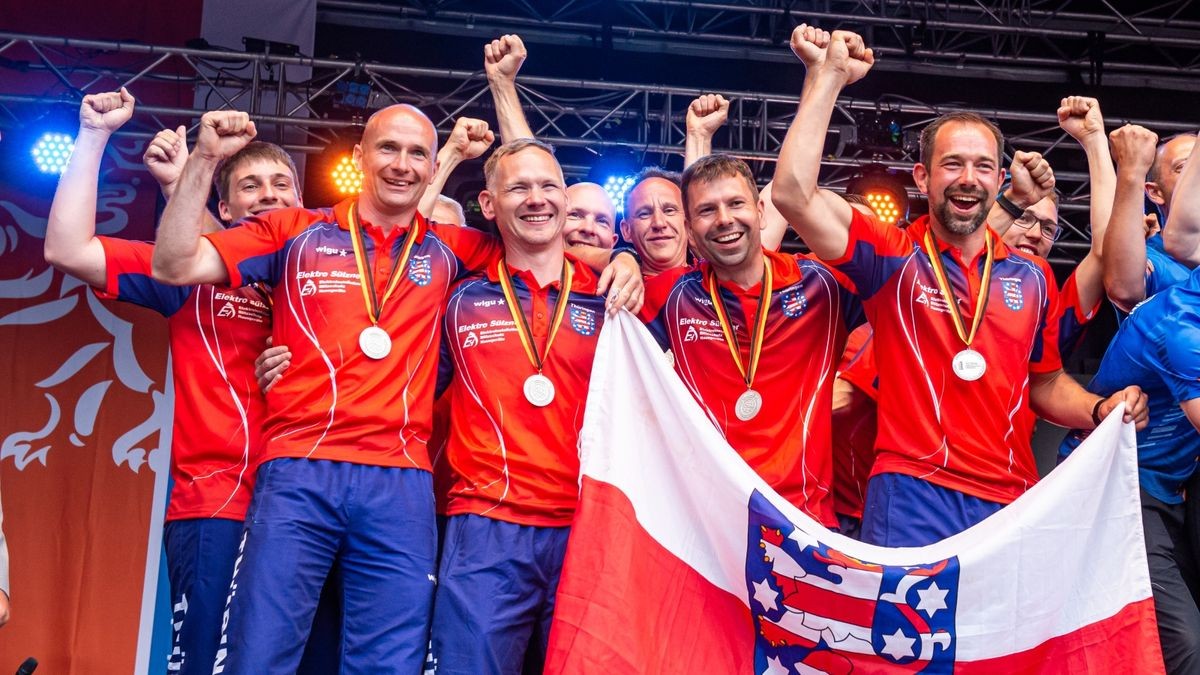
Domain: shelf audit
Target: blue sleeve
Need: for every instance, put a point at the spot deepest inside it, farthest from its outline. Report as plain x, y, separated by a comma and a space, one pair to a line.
873, 254
127, 277
1162, 271
1181, 361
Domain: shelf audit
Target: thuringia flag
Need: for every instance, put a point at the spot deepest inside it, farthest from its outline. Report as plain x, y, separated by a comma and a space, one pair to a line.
682, 560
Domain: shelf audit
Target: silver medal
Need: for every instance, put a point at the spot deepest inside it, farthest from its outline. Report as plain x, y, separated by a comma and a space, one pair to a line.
969, 365
375, 342
748, 405
539, 390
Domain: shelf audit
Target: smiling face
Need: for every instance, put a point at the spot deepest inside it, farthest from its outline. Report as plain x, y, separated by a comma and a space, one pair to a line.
256, 186
591, 216
396, 156
724, 223
962, 177
526, 199
654, 224
1028, 232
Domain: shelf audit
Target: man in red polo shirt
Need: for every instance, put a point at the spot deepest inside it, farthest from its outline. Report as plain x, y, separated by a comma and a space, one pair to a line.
735, 325
964, 323
214, 334
519, 342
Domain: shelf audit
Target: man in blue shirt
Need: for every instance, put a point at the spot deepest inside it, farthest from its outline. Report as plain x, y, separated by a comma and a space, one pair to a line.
1158, 348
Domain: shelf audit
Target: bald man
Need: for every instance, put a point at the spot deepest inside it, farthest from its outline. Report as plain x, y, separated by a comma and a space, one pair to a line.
591, 216
358, 291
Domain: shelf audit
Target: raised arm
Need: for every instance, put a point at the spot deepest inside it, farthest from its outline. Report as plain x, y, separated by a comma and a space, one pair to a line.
705, 115
469, 139
71, 243
1030, 181
1080, 116
502, 59
181, 255
820, 217
1182, 233
1124, 266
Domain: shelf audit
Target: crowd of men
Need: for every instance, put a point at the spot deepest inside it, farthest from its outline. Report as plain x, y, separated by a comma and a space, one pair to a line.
403, 464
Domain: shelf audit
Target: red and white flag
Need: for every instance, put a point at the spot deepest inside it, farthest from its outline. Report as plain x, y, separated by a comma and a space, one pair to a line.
682, 560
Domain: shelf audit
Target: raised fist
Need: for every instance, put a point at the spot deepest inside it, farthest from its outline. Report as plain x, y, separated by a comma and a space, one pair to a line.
165, 156
470, 138
706, 114
223, 133
1134, 147
106, 112
502, 57
848, 56
1080, 117
1032, 178
809, 44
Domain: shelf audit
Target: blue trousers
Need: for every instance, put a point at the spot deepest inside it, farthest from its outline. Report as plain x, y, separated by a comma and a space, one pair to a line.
200, 557
495, 596
902, 510
377, 523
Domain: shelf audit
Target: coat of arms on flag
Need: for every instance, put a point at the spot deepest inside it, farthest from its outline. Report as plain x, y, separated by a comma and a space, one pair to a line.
815, 607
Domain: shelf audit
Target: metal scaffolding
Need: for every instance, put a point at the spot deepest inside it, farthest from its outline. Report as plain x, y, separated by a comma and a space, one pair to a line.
38, 73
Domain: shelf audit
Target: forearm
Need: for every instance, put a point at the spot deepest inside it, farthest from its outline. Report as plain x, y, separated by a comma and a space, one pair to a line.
594, 257
71, 245
821, 220
1125, 243
509, 114
177, 249
696, 145
447, 163
1059, 399
1181, 234
1103, 178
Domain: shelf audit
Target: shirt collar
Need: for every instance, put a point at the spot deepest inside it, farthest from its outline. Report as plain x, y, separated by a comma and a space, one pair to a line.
341, 214
920, 226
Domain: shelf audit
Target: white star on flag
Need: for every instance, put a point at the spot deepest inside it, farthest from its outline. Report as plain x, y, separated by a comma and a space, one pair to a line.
898, 645
765, 596
932, 599
775, 667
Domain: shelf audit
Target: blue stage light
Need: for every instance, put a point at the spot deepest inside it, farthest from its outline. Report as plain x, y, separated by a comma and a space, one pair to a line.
52, 151
617, 187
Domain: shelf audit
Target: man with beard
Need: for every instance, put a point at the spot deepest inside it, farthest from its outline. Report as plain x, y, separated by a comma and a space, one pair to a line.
965, 323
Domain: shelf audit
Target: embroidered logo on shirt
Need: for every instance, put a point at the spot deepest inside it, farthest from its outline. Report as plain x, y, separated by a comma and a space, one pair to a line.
583, 320
420, 270
793, 302
1014, 299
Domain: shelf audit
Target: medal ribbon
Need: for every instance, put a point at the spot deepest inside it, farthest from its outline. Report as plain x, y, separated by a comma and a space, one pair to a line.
366, 276
518, 314
760, 322
939, 271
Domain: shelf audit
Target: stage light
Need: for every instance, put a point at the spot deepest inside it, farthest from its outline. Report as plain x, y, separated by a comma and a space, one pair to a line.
885, 191
617, 187
52, 151
346, 177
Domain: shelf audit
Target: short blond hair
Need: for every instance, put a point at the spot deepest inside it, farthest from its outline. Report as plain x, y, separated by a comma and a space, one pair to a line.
512, 148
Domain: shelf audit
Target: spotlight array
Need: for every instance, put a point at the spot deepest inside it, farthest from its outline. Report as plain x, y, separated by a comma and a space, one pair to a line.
52, 151
884, 205
347, 177
617, 187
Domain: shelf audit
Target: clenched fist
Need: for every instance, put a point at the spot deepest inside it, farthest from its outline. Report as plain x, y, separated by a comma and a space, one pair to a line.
107, 112
1032, 178
1133, 148
1080, 117
470, 138
165, 156
706, 114
502, 57
223, 133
